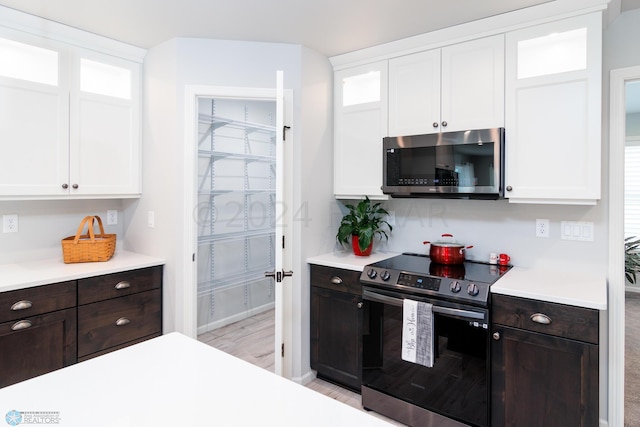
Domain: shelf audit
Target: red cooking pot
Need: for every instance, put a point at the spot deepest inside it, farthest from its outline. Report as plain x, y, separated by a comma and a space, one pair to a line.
447, 252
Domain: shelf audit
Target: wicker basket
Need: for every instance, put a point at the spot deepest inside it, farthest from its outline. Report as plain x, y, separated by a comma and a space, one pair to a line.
88, 247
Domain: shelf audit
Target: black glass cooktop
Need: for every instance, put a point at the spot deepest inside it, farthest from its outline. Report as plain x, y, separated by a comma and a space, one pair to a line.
422, 265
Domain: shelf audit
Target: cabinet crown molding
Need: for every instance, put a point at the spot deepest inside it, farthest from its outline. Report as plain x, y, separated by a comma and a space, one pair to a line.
534, 15
20, 21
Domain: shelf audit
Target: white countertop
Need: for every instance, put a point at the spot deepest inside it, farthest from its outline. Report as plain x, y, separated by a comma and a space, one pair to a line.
554, 285
46, 271
174, 381
348, 261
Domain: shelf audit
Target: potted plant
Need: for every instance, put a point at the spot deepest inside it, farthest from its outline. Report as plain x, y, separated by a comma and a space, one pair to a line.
361, 224
631, 258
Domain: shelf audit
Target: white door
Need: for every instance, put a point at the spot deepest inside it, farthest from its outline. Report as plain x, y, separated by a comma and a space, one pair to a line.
240, 206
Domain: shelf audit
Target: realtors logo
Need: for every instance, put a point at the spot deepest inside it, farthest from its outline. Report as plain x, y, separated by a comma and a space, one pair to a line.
14, 418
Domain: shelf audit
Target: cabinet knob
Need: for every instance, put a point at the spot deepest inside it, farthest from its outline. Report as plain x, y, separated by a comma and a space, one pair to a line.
360, 304
444, 124
75, 186
122, 285
509, 188
21, 305
435, 124
336, 280
540, 318
122, 321
65, 186
496, 336
23, 324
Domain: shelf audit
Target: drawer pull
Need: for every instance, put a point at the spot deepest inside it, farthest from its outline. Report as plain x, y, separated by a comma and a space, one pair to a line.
122, 285
122, 321
336, 280
21, 305
543, 319
23, 324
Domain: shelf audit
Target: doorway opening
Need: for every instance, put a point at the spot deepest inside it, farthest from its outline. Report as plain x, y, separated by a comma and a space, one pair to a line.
236, 212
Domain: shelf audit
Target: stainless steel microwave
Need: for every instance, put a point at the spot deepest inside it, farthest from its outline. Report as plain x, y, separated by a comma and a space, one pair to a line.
464, 164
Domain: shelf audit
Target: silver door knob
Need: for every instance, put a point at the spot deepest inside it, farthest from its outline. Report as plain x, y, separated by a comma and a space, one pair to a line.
75, 186
444, 124
496, 336
65, 186
435, 124
509, 188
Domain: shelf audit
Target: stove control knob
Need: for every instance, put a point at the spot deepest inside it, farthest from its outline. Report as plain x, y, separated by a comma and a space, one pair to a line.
455, 287
472, 289
372, 273
385, 276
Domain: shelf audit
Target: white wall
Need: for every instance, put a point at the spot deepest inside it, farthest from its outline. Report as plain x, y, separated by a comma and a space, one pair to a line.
42, 224
169, 68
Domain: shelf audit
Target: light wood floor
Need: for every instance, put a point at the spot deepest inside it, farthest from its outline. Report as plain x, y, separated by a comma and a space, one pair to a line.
252, 340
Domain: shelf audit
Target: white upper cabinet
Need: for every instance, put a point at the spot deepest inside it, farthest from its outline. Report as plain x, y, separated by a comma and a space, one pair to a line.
105, 126
360, 122
553, 114
457, 87
69, 120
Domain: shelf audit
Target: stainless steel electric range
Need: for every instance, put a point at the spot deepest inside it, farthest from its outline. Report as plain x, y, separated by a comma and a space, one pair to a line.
455, 390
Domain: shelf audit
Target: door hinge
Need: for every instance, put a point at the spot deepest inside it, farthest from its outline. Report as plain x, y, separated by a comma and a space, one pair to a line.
193, 257
284, 132
282, 350
282, 242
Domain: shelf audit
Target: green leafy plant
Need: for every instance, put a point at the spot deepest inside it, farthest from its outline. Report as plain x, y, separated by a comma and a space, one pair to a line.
364, 220
631, 258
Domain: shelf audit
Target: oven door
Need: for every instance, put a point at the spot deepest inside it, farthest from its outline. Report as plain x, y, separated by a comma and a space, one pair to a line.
457, 386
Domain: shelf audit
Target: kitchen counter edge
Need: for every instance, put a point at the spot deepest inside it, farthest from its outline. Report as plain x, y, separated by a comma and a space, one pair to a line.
29, 274
550, 285
349, 261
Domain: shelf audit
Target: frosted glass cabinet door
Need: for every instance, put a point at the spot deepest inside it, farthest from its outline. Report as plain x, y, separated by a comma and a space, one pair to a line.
360, 124
105, 133
553, 112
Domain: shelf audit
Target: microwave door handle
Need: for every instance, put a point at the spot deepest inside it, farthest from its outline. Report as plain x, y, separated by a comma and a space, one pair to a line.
376, 297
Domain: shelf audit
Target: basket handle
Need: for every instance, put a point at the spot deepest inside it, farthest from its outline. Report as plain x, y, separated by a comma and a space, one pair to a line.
89, 221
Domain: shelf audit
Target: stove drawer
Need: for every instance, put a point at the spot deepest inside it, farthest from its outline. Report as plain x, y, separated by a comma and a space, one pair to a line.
336, 279
546, 317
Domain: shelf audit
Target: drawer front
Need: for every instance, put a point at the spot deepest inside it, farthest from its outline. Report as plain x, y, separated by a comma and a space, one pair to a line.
36, 345
115, 285
110, 323
564, 320
27, 302
336, 279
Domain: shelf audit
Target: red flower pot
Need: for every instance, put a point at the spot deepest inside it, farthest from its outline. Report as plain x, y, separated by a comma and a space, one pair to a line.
356, 247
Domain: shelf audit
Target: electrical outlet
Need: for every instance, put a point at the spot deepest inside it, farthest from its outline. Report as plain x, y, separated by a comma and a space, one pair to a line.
542, 228
112, 217
9, 223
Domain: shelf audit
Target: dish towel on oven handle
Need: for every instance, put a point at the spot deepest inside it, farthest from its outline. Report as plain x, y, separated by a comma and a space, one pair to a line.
417, 332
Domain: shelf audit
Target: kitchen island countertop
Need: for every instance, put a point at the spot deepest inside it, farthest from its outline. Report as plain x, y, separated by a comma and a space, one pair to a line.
173, 381
53, 270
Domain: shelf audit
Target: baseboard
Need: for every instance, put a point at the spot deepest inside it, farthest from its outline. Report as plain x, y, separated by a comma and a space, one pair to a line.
306, 378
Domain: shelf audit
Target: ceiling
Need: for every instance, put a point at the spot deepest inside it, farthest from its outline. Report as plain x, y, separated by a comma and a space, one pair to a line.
330, 27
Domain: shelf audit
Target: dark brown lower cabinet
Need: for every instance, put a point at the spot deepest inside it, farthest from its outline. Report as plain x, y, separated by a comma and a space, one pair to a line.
48, 327
336, 326
541, 377
36, 345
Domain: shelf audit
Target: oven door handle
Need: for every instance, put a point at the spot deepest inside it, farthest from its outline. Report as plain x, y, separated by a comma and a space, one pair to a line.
398, 302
